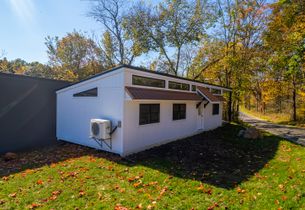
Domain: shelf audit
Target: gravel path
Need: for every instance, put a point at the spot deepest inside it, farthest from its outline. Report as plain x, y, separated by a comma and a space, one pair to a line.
291, 133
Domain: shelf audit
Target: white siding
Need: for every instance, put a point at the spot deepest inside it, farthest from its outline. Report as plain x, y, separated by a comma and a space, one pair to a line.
74, 113
139, 137
113, 103
212, 121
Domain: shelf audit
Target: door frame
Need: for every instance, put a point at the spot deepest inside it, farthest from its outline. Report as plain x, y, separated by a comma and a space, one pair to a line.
200, 117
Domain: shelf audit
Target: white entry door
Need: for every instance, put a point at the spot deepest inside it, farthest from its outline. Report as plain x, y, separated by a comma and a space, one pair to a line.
200, 117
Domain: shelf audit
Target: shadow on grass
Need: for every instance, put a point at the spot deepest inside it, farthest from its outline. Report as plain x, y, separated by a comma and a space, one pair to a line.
216, 157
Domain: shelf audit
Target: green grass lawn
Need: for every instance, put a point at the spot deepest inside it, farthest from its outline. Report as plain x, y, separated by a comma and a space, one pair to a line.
212, 170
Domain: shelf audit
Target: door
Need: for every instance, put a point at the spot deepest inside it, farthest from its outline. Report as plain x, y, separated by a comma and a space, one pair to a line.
200, 117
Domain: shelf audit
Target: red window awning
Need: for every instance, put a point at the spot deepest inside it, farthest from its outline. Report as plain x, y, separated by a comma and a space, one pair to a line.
154, 94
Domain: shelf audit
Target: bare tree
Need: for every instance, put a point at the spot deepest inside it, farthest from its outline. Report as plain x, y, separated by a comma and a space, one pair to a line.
2, 54
110, 14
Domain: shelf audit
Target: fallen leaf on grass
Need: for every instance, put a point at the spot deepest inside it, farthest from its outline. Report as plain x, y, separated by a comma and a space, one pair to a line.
81, 193
239, 190
26, 172
152, 183
202, 189
53, 197
281, 187
150, 207
213, 206
140, 190
139, 206
208, 191
39, 182
92, 159
284, 197
57, 192
121, 190
286, 149
120, 207
12, 195
34, 205
72, 174
99, 195
131, 179
5, 178
137, 184
257, 175
163, 190
53, 165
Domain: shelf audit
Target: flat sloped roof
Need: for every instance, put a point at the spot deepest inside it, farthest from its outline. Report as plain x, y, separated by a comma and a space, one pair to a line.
144, 70
154, 94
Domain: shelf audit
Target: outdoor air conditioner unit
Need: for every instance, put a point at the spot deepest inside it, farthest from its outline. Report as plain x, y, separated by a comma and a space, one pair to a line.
100, 129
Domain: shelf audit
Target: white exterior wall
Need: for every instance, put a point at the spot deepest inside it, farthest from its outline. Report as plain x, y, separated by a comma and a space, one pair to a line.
74, 113
212, 121
113, 103
140, 137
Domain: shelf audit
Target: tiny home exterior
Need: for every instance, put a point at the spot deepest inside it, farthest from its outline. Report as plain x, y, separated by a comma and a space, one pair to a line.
146, 108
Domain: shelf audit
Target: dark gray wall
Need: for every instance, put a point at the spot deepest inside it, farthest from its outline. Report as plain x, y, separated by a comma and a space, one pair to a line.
27, 112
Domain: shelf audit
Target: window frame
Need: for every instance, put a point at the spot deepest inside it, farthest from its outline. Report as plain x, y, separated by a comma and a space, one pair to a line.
149, 78
215, 91
92, 93
178, 83
179, 114
215, 111
150, 118
193, 88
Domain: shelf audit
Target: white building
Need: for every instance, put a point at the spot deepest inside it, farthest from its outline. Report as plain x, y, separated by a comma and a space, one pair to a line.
145, 108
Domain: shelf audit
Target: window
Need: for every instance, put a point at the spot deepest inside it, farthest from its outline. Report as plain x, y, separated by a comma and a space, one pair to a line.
216, 91
146, 81
194, 88
215, 109
179, 111
149, 113
87, 93
178, 86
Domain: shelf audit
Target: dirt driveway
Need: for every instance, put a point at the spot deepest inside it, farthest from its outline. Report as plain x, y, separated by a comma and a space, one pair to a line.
291, 133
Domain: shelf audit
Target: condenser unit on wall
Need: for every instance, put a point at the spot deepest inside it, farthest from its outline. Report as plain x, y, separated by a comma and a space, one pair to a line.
100, 129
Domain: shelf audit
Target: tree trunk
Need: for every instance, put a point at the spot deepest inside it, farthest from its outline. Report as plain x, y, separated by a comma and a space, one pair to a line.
237, 109
230, 107
294, 105
249, 102
257, 104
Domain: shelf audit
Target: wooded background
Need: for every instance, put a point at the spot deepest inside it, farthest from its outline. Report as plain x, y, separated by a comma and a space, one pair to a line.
256, 47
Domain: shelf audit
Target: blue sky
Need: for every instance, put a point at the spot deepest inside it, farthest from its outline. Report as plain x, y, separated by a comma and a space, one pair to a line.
26, 23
